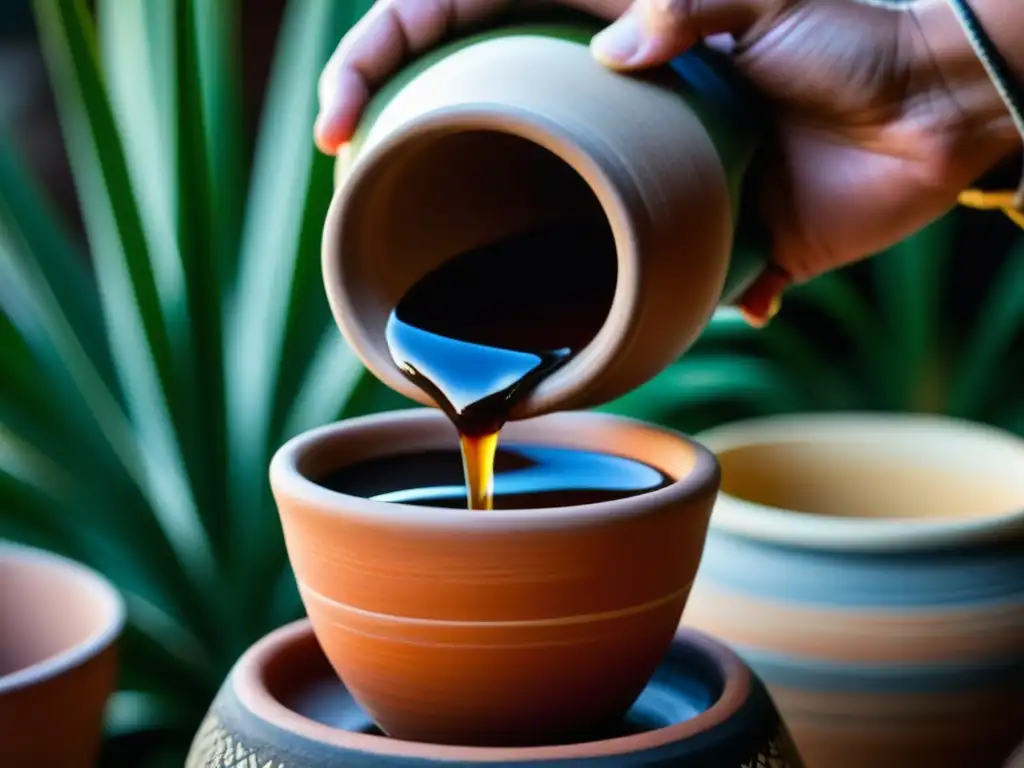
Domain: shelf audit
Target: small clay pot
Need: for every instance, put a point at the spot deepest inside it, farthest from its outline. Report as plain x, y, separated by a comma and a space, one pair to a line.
870, 568
58, 625
496, 628
504, 130
282, 706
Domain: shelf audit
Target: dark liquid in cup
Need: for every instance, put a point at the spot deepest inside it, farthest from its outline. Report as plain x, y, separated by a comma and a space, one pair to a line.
480, 333
525, 477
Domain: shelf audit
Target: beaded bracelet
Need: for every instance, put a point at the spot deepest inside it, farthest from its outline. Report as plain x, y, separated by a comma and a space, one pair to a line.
1011, 201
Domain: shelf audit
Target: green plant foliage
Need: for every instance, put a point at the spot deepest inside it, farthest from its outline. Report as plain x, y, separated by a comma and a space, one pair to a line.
141, 398
884, 335
146, 380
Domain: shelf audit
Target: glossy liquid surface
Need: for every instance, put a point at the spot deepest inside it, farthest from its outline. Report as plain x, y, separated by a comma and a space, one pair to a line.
525, 477
480, 333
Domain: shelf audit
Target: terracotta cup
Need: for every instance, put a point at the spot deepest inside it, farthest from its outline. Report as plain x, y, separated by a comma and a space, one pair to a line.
504, 627
870, 568
282, 706
58, 625
504, 130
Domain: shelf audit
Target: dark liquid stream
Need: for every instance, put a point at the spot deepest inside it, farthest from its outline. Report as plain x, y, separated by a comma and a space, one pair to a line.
525, 477
480, 333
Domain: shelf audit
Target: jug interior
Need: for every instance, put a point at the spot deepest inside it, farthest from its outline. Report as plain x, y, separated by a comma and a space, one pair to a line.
541, 268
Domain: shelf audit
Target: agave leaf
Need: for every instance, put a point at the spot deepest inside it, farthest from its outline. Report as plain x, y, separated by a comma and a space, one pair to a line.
1012, 419
24, 463
129, 712
329, 384
53, 346
26, 217
107, 531
111, 529
176, 639
788, 348
138, 336
137, 49
1000, 320
909, 282
148, 669
695, 382
152, 56
371, 396
24, 520
204, 437
278, 276
176, 663
25, 406
39, 517
824, 386
283, 603
309, 313
51, 391
727, 325
836, 298
55, 446
220, 82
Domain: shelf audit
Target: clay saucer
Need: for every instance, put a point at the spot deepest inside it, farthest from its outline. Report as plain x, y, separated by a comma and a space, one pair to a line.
283, 706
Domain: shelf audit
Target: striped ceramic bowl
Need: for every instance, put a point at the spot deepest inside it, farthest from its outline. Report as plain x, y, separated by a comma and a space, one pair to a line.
870, 568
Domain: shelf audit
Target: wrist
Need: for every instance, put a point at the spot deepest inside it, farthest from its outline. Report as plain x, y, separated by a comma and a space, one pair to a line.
944, 60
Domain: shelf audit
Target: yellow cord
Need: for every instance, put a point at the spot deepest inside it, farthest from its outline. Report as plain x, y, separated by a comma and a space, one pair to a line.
993, 201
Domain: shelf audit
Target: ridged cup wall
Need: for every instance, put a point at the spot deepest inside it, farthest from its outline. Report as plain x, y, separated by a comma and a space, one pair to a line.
870, 568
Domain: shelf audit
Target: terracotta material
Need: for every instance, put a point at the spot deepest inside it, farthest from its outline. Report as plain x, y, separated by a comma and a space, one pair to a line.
58, 625
870, 568
500, 132
282, 706
502, 627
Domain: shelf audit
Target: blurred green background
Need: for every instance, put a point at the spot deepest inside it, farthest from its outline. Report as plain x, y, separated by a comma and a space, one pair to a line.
164, 328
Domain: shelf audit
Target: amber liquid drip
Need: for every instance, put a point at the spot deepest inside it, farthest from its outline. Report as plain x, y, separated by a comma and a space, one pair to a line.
480, 333
478, 466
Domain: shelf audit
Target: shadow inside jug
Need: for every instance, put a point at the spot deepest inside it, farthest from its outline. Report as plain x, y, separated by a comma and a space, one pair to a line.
440, 193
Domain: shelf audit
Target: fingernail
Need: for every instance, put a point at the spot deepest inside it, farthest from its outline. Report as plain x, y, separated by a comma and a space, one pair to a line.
763, 299
618, 44
761, 317
340, 109
324, 135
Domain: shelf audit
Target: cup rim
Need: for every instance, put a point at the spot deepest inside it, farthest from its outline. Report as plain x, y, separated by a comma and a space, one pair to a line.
786, 527
571, 383
112, 605
251, 689
288, 480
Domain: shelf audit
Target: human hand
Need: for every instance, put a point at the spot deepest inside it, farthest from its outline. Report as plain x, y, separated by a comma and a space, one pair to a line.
883, 112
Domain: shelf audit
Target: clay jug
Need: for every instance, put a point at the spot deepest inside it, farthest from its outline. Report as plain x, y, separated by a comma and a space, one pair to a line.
501, 131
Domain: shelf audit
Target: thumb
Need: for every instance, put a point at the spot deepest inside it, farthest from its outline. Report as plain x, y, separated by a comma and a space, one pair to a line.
652, 32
